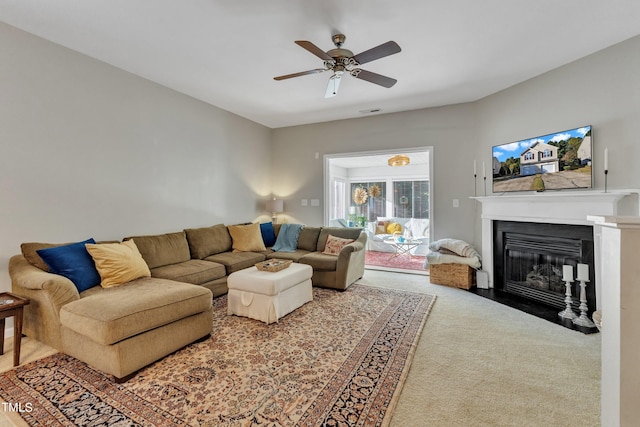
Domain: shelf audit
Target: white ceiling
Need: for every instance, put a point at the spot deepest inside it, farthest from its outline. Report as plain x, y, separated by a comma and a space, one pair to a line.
226, 52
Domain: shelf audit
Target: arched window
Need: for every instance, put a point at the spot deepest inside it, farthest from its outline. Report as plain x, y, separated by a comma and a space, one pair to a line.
529, 156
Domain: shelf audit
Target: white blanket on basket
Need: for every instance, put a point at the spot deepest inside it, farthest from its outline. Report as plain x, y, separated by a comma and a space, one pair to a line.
453, 251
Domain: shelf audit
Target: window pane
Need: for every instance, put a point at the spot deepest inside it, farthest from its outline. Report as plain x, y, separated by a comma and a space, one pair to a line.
420, 199
411, 199
338, 206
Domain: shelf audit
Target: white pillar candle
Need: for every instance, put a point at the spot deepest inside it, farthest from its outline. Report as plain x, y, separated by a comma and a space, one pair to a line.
583, 272
567, 273
484, 171
606, 159
475, 171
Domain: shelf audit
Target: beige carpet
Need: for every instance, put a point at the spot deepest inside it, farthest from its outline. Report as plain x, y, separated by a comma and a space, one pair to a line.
479, 363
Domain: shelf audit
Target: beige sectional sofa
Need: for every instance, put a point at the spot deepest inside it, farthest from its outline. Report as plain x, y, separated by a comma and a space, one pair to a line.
205, 256
121, 329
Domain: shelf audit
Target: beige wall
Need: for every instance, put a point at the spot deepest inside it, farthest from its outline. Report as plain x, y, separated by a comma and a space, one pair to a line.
451, 131
88, 150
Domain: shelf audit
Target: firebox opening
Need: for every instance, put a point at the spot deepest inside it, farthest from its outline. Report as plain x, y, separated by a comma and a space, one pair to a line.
528, 265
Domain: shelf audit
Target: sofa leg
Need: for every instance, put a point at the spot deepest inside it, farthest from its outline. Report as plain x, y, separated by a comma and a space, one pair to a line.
125, 378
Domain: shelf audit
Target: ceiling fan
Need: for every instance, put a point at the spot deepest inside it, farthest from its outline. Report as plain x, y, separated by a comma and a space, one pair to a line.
340, 61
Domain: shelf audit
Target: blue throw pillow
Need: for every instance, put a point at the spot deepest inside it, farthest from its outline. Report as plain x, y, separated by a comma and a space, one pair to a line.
73, 262
268, 234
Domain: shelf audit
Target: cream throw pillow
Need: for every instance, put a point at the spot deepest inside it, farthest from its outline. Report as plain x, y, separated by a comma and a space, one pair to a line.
118, 263
247, 238
335, 244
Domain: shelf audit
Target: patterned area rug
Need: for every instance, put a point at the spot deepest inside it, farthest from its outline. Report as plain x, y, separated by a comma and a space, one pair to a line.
338, 360
385, 259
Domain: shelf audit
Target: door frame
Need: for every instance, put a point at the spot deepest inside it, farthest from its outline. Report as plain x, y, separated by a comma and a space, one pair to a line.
390, 152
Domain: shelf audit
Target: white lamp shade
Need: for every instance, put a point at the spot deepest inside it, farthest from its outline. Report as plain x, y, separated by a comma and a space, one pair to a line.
275, 205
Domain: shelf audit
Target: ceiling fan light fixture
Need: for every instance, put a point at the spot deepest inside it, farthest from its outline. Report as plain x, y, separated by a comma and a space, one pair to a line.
341, 61
399, 160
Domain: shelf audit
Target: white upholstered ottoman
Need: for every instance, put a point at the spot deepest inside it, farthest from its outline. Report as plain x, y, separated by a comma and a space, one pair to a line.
268, 296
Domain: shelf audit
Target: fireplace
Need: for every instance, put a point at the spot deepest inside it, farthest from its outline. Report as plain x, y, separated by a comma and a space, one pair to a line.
558, 207
529, 259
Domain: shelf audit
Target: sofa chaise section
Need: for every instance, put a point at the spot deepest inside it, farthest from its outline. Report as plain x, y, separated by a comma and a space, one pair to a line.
120, 330
92, 325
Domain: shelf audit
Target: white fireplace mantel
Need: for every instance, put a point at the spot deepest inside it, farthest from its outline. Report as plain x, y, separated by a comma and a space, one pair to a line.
558, 207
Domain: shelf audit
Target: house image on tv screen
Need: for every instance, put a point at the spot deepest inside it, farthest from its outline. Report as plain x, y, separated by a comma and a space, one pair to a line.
543, 158
554, 161
539, 158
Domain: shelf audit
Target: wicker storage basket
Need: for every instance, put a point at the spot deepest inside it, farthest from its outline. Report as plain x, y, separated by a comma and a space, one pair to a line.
273, 265
457, 275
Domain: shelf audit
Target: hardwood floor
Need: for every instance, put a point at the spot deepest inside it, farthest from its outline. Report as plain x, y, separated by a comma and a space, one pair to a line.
30, 350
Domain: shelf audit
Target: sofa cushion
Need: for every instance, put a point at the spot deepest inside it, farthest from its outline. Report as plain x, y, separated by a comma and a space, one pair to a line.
320, 261
344, 233
247, 238
308, 238
73, 262
163, 249
118, 313
293, 256
30, 252
195, 271
208, 240
335, 244
234, 261
118, 263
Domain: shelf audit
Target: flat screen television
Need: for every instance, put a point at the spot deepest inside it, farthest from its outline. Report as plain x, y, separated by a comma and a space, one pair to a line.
557, 161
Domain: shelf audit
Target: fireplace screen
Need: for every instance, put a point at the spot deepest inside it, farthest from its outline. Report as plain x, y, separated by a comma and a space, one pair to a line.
533, 267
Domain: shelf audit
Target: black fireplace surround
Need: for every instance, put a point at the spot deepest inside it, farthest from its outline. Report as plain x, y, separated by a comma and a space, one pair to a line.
528, 261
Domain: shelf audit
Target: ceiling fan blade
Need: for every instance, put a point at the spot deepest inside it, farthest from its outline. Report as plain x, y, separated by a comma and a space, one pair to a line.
378, 79
333, 86
314, 49
385, 49
302, 73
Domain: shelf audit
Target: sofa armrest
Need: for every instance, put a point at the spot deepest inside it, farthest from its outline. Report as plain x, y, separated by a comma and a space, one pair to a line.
47, 292
350, 266
347, 250
28, 276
